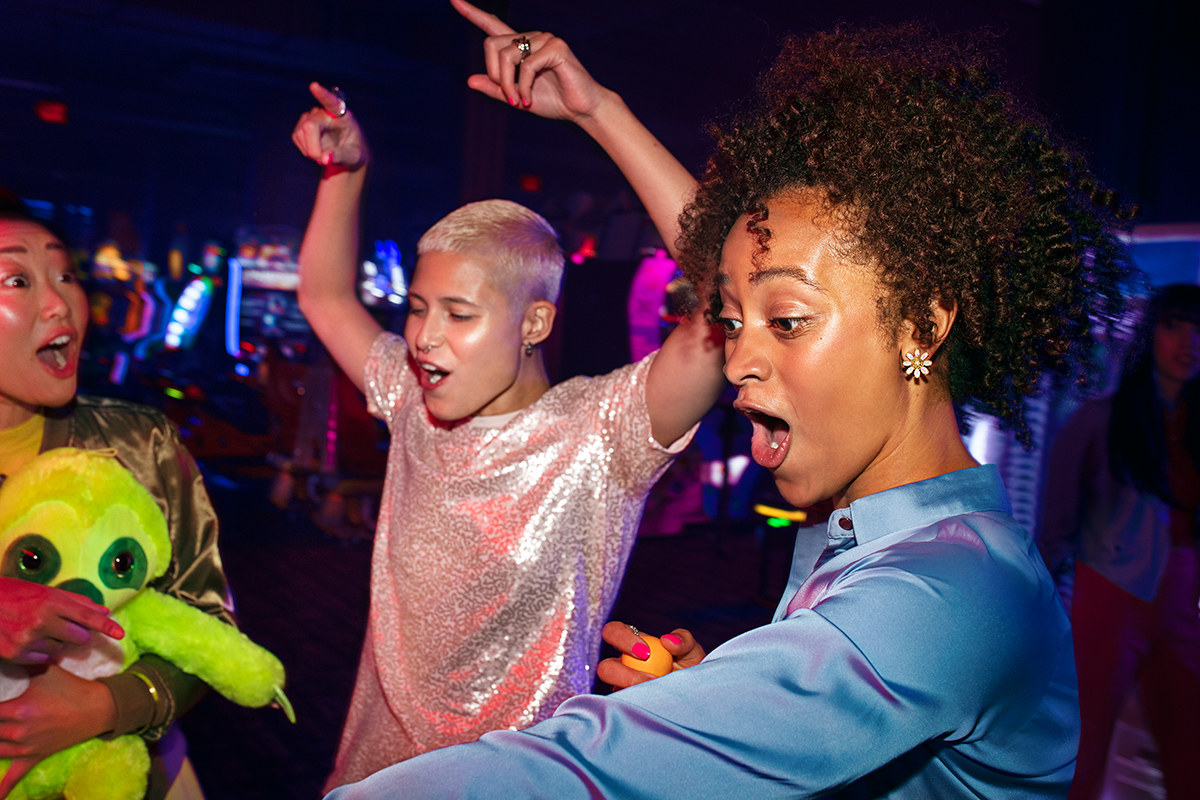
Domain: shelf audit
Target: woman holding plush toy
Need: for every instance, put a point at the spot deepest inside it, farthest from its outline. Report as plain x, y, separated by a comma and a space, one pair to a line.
43, 314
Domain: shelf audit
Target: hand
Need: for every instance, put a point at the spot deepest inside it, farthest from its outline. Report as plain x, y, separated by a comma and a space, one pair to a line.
56, 710
550, 81
329, 134
37, 621
679, 643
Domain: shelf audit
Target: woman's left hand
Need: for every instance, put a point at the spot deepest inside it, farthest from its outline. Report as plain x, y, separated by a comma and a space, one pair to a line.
548, 80
680, 643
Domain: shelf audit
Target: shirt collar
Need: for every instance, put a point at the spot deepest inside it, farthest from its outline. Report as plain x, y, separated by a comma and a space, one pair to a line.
922, 503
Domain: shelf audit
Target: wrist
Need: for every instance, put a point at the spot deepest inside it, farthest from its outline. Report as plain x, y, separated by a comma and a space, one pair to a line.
102, 709
606, 115
345, 171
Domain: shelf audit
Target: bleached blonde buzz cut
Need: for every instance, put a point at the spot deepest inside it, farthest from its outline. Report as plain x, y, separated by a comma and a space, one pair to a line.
518, 247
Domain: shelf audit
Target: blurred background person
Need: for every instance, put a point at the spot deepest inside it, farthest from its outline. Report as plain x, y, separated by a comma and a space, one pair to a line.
1121, 498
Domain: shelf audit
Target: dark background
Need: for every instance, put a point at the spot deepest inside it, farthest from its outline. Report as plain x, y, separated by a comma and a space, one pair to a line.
179, 113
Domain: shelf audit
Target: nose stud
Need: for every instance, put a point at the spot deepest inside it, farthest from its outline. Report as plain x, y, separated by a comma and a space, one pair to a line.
426, 348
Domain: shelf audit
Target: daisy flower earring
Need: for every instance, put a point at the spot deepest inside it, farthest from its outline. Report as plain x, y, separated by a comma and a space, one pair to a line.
916, 364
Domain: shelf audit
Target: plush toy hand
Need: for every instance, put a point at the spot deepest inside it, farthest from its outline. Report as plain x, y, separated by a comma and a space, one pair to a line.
36, 621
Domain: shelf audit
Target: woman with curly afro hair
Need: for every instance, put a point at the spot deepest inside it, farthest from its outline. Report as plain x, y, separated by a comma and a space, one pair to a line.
887, 239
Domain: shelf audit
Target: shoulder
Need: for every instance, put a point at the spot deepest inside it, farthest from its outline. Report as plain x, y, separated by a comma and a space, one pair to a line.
627, 379
387, 363
118, 415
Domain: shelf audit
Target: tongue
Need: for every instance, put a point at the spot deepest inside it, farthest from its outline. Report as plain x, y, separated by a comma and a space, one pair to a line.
769, 443
52, 357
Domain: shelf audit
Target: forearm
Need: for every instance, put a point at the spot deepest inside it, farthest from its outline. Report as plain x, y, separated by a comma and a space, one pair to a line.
330, 246
662, 184
328, 268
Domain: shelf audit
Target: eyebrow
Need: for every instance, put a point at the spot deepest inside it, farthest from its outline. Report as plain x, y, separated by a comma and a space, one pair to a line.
20, 248
774, 273
447, 300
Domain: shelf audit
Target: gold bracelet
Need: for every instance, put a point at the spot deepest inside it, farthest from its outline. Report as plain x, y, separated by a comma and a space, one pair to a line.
149, 685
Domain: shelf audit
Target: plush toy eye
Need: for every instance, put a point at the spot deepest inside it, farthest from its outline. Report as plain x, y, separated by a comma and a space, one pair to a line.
31, 558
123, 565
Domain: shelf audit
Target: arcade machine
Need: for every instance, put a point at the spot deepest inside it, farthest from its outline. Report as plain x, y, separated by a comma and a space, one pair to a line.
217, 410
328, 453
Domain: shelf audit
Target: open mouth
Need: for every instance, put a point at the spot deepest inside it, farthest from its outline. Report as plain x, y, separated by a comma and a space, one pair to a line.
769, 439
54, 353
431, 376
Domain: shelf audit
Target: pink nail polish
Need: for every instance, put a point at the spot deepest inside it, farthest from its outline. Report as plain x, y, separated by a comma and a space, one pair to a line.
511, 102
672, 638
640, 651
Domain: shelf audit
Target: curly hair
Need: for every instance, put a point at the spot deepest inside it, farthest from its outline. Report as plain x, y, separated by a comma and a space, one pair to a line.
936, 175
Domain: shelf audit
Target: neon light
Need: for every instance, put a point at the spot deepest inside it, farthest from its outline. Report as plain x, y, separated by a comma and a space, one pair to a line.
233, 309
171, 391
790, 515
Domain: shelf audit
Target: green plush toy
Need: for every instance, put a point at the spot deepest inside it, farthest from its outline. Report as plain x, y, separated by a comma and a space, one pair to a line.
78, 520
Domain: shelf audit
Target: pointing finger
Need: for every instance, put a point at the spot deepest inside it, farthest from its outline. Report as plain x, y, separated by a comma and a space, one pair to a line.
488, 23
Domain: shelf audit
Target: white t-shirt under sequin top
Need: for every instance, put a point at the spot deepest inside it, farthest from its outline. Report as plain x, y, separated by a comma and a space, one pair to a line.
498, 556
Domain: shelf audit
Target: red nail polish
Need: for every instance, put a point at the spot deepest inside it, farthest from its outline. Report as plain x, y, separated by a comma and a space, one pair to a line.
640, 651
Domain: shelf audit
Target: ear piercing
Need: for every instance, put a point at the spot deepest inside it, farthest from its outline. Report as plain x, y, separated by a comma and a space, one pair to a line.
916, 364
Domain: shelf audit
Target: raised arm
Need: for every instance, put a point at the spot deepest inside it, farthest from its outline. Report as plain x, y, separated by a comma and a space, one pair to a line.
686, 378
329, 135
553, 84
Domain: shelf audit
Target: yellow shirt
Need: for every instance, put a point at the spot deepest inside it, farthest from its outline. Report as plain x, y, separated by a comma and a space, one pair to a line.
20, 444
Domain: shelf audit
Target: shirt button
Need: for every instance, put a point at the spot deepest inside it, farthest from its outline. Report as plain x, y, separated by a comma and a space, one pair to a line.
845, 524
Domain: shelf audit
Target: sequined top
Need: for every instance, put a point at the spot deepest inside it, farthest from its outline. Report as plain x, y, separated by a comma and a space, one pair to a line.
498, 556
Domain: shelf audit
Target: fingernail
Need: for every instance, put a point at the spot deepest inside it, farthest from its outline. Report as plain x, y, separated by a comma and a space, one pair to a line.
640, 651
511, 102
672, 638
328, 159
527, 103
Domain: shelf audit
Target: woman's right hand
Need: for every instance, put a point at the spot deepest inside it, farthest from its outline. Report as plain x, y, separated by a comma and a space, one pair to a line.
329, 134
679, 643
549, 81
37, 621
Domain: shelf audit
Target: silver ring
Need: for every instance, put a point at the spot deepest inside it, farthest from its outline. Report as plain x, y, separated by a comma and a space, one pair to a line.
636, 632
426, 348
341, 96
523, 45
